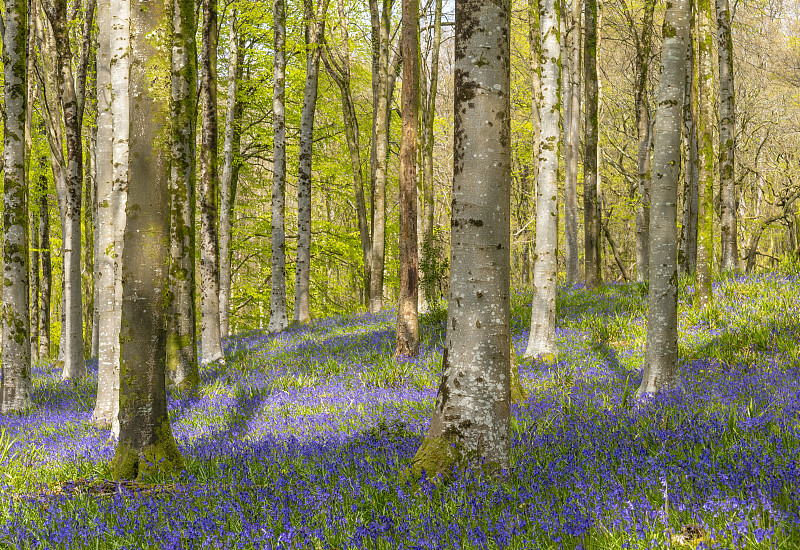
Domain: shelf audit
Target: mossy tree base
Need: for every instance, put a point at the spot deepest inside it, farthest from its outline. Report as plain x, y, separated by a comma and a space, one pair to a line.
159, 459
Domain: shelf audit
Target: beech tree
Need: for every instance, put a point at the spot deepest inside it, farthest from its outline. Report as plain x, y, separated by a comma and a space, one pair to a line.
661, 356
705, 85
572, 112
277, 304
727, 134
542, 337
182, 370
17, 386
591, 204
471, 418
211, 342
407, 337
687, 251
146, 444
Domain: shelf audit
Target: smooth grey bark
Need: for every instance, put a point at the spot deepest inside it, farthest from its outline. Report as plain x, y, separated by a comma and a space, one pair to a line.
89, 196
46, 282
542, 337
471, 418
687, 253
727, 139
705, 215
211, 341
380, 20
106, 407
661, 356
230, 171
70, 96
182, 369
16, 386
591, 208
407, 334
146, 444
33, 203
278, 319
536, 145
315, 27
572, 109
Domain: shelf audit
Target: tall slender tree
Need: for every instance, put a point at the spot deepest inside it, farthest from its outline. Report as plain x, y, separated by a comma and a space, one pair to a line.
16, 387
591, 204
315, 27
407, 340
211, 341
687, 252
277, 315
705, 86
471, 418
542, 338
661, 357
146, 444
47, 272
572, 110
727, 135
182, 370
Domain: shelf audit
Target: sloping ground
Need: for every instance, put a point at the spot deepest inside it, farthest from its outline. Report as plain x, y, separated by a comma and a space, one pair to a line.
301, 440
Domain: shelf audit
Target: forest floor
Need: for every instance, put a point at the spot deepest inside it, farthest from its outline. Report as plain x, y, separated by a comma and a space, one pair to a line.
301, 441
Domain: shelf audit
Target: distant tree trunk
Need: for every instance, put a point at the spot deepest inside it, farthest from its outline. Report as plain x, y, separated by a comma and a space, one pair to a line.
407, 340
182, 369
572, 110
277, 314
727, 137
661, 357
106, 408
471, 418
338, 67
33, 203
230, 172
146, 444
642, 105
211, 342
315, 26
16, 386
427, 290
687, 254
542, 338
380, 137
536, 91
591, 211
90, 191
705, 243
72, 107
47, 271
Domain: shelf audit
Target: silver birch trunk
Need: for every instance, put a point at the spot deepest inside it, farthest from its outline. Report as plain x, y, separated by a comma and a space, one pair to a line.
705, 81
146, 444
211, 341
315, 24
661, 356
230, 173
107, 404
278, 320
572, 113
16, 387
182, 369
727, 139
471, 418
542, 337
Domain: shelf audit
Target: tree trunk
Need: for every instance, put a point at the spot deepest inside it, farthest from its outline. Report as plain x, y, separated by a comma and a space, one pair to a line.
230, 172
33, 203
74, 364
642, 106
315, 25
182, 369
211, 343
591, 211
705, 242
106, 408
687, 255
89, 193
536, 145
146, 444
407, 340
471, 418
661, 357
727, 137
47, 271
16, 386
380, 138
277, 314
572, 110
542, 337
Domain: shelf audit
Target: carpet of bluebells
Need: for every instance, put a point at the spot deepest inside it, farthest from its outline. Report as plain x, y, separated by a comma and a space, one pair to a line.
302, 439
